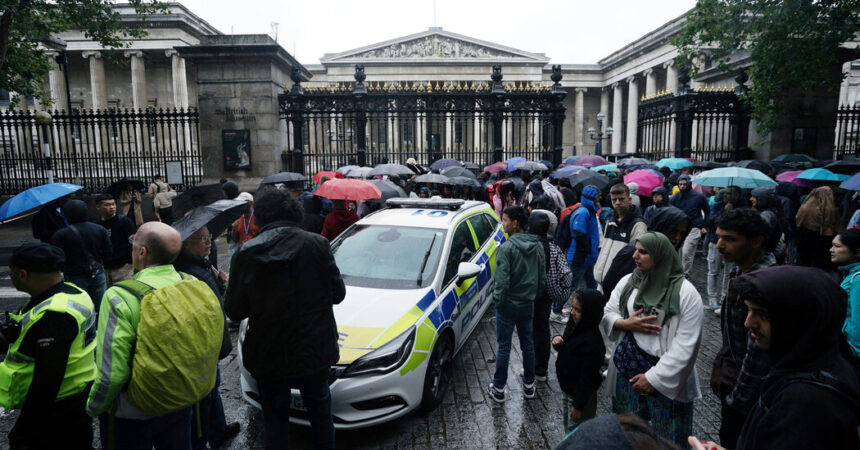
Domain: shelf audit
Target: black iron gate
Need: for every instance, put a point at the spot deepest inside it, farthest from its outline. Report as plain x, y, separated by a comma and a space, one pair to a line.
705, 124
847, 143
360, 123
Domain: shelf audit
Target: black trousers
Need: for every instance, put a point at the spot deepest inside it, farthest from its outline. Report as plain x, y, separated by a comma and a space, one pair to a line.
68, 423
731, 420
543, 306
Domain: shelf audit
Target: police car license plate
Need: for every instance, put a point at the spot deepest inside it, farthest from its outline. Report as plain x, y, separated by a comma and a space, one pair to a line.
297, 403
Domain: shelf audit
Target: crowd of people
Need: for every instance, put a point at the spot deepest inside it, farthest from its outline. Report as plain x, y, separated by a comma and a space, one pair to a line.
609, 263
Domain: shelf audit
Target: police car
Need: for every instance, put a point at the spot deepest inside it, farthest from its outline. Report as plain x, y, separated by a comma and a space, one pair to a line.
419, 277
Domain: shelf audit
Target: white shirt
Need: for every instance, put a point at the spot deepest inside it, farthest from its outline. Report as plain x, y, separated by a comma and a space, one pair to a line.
677, 345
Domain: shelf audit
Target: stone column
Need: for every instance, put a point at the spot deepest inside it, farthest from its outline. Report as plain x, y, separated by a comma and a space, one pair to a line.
97, 79
180, 88
616, 116
56, 83
632, 113
138, 79
650, 81
671, 76
579, 119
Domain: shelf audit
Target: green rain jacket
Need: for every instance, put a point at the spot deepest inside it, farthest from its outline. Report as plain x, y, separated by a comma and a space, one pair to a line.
520, 274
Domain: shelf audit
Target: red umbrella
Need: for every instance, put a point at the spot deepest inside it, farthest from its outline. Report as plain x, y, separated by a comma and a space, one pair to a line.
348, 189
646, 180
326, 173
496, 167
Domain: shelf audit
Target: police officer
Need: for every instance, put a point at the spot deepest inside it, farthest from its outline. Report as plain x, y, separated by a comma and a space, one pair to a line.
50, 363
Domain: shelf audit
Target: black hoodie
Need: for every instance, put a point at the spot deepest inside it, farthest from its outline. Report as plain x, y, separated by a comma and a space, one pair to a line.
90, 240
580, 356
811, 397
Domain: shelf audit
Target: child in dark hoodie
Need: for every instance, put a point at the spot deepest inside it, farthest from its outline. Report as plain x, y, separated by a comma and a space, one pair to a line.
580, 357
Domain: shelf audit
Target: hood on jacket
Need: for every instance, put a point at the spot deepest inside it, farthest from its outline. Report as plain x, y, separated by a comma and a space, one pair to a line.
538, 223
766, 199
634, 188
684, 177
589, 193
76, 211
526, 242
536, 187
552, 221
662, 191
592, 302
231, 189
787, 189
666, 219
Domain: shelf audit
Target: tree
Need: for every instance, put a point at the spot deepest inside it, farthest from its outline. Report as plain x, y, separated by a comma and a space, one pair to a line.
25, 24
794, 46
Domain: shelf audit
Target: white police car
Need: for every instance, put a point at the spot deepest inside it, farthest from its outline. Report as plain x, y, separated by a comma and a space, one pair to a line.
419, 276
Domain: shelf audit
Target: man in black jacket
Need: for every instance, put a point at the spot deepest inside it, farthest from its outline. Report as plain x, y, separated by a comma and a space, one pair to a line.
86, 246
285, 282
49, 219
120, 228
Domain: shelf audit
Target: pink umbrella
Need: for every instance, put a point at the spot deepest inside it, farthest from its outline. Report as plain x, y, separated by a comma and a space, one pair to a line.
590, 161
496, 167
791, 177
707, 191
646, 180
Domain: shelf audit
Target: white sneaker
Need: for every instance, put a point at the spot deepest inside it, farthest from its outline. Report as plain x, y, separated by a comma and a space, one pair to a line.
557, 318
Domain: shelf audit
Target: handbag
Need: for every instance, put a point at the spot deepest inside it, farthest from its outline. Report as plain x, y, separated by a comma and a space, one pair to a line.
630, 359
558, 275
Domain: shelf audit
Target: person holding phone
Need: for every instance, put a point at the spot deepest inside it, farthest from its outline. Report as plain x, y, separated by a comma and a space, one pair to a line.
654, 320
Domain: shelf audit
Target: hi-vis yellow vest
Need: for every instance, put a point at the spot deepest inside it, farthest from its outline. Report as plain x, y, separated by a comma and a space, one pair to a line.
16, 372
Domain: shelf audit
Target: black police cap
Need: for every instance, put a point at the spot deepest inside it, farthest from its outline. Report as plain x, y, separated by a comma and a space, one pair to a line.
38, 257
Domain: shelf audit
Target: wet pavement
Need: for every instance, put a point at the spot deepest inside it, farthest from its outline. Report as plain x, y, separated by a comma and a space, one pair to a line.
467, 418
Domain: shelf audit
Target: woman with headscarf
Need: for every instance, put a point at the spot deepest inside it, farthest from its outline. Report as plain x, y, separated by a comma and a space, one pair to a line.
818, 221
845, 253
654, 319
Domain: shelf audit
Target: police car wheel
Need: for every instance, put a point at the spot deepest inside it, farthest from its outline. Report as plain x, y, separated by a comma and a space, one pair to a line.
439, 374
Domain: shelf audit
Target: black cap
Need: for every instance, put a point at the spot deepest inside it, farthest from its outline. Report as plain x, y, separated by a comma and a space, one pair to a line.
38, 257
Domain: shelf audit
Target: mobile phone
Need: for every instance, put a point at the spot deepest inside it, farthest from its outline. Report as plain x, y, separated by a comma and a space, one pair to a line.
661, 314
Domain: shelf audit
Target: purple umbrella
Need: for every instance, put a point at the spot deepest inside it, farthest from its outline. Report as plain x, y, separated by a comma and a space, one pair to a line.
791, 177
590, 161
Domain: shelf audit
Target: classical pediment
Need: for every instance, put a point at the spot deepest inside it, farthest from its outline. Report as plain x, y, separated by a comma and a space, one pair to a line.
435, 44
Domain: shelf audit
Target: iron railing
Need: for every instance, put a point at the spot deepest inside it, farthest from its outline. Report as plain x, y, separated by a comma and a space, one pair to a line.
847, 143
94, 148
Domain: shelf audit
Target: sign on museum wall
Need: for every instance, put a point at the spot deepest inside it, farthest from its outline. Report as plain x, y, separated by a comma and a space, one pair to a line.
236, 145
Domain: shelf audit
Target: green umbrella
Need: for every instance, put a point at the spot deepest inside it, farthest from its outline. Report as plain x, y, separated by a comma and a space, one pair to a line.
795, 157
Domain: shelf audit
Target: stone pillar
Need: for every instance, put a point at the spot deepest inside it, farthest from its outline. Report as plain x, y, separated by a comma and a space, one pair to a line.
180, 85
57, 83
650, 81
138, 79
579, 119
97, 79
632, 113
671, 76
616, 116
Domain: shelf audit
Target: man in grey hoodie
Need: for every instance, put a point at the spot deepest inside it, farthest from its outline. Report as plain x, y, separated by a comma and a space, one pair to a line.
520, 278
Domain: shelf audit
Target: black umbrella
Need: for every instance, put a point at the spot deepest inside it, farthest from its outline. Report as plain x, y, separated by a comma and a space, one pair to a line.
519, 184
432, 178
283, 177
754, 164
465, 181
389, 189
846, 166
585, 177
709, 165
458, 172
196, 196
392, 170
217, 216
117, 187
629, 162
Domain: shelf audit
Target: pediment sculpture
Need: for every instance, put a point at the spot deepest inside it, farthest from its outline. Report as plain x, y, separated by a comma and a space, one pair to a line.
434, 47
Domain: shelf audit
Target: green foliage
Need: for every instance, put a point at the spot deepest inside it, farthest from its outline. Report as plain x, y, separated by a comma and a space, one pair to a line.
24, 24
794, 46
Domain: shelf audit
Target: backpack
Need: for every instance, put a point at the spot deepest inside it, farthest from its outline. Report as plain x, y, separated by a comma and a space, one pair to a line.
178, 339
563, 237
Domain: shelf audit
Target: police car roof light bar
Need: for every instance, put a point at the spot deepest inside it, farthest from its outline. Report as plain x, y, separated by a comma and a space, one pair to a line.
432, 203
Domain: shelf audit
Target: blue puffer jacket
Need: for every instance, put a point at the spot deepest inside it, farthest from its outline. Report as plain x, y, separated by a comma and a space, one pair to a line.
583, 221
692, 203
851, 284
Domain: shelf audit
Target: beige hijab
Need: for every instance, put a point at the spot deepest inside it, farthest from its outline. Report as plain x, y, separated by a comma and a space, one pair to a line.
818, 213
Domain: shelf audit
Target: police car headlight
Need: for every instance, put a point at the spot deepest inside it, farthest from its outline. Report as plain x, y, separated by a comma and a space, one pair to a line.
384, 359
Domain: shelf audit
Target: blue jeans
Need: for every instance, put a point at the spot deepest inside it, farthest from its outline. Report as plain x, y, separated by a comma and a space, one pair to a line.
275, 398
213, 424
504, 333
168, 432
577, 273
95, 286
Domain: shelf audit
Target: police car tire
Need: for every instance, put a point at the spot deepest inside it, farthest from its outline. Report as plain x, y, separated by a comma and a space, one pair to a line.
440, 362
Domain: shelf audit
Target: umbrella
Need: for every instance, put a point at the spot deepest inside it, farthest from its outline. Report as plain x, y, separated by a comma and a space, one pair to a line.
198, 196
590, 161
361, 172
553, 193
217, 216
35, 197
655, 172
570, 160
585, 177
458, 172
471, 166
628, 162
605, 168
674, 163
345, 169
283, 177
646, 180
547, 163
513, 161
820, 174
392, 170
496, 167
443, 163
709, 165
326, 173
794, 157
432, 178
754, 164
464, 181
531, 166
117, 187
791, 177
565, 172
852, 183
388, 189
848, 166
348, 189
733, 176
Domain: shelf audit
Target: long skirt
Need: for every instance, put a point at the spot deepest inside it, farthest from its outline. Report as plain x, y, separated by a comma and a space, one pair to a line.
671, 419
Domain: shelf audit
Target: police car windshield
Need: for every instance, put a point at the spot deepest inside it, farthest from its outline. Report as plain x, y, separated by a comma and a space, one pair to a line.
388, 257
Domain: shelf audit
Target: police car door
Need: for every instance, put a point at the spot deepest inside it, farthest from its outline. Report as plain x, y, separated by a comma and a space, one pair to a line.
477, 293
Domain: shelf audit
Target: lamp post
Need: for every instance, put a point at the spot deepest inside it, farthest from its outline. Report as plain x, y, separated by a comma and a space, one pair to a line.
598, 135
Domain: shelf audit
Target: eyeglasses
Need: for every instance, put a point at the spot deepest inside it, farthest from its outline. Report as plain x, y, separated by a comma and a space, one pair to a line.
201, 239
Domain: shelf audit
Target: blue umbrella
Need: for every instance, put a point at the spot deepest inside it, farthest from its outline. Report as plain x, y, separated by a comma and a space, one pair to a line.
547, 163
566, 171
852, 183
570, 160
733, 176
819, 174
673, 163
513, 161
35, 197
605, 168
443, 163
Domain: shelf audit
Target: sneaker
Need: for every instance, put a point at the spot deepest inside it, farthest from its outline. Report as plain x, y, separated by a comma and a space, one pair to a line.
537, 377
495, 393
528, 389
717, 311
557, 318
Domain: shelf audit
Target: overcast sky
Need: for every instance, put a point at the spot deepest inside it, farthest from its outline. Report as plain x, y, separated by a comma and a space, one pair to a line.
569, 32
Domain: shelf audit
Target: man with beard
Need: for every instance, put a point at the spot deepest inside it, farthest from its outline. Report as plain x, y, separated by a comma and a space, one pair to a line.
696, 207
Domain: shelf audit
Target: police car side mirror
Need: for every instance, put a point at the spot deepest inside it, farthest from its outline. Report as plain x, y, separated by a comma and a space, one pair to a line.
467, 270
